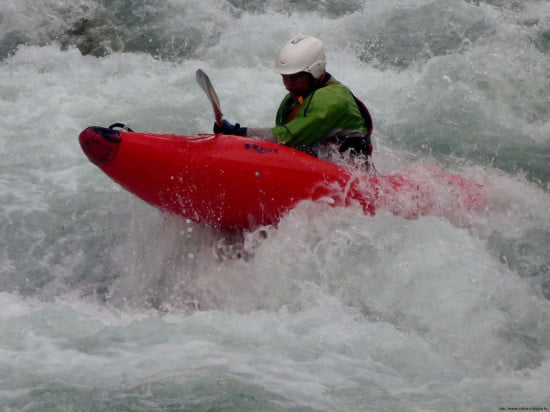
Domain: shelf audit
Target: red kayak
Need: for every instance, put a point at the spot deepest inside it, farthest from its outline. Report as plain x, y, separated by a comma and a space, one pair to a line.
236, 183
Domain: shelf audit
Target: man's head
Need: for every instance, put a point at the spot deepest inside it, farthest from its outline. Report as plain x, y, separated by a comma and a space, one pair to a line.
301, 62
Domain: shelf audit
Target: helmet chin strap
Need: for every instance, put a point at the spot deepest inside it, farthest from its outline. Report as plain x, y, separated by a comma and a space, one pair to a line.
321, 79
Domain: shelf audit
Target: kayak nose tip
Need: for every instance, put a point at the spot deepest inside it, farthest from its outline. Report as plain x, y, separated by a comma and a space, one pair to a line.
100, 144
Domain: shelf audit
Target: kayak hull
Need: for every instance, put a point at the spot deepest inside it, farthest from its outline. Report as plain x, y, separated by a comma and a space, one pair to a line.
236, 183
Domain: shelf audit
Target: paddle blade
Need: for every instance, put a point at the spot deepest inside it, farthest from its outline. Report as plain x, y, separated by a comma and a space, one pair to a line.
206, 85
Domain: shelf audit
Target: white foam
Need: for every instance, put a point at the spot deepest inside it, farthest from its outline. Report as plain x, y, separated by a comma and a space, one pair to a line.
333, 310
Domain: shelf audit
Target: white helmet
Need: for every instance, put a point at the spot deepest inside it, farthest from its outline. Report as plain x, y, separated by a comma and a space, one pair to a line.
302, 54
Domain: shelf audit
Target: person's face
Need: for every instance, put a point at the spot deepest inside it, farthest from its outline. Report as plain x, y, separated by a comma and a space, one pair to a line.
299, 84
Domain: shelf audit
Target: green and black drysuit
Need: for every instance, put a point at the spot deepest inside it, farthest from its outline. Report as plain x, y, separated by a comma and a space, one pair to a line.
329, 114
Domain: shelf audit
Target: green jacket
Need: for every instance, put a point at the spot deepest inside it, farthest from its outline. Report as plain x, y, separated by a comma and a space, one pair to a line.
329, 107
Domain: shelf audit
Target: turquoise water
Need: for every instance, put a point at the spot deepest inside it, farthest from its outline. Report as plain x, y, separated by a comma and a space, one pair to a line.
110, 305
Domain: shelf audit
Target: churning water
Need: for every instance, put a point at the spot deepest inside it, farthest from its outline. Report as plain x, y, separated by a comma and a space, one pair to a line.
107, 304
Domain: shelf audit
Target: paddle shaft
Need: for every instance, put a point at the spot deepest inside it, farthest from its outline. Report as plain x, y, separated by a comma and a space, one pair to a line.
206, 85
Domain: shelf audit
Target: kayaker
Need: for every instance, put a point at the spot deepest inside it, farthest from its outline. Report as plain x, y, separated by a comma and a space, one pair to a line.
318, 111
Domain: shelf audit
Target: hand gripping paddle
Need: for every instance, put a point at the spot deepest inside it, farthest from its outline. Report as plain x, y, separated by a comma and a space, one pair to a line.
204, 83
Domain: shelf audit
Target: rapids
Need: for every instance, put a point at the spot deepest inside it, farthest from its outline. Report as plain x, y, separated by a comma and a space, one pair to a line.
107, 304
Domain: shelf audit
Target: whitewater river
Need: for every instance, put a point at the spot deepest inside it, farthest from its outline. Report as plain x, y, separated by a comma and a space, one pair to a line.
107, 304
